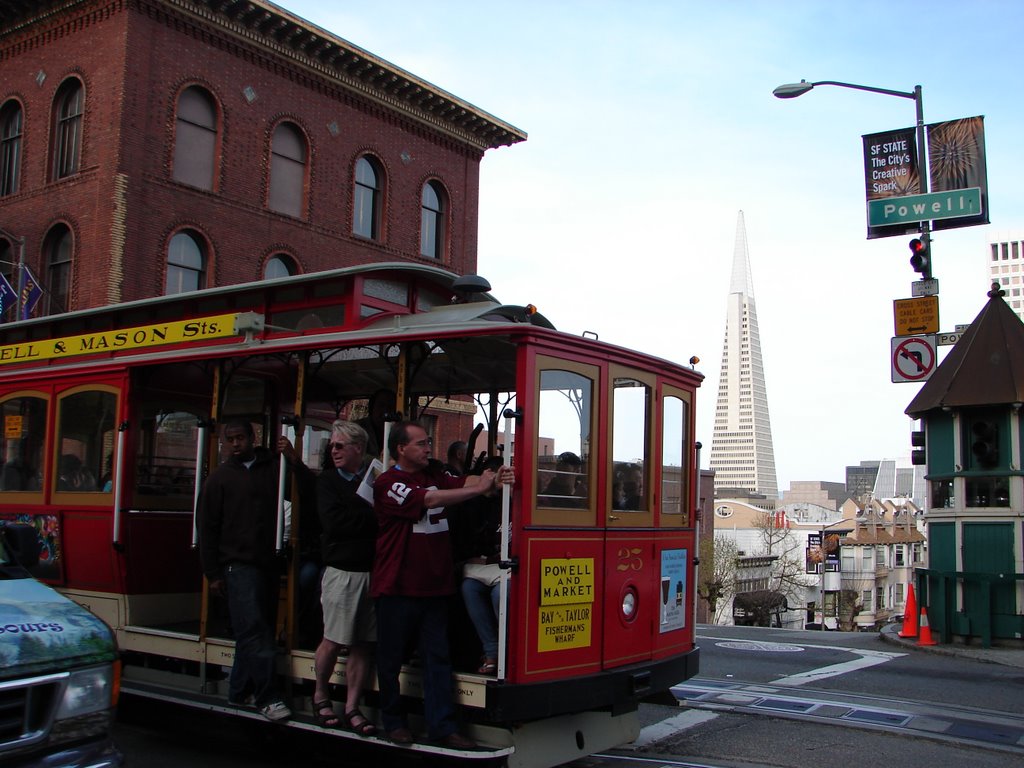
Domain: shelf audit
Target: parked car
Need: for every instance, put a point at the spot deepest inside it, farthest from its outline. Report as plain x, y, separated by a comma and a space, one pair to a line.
59, 669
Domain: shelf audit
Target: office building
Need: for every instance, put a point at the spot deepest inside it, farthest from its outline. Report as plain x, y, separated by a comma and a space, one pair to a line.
742, 455
1006, 267
860, 480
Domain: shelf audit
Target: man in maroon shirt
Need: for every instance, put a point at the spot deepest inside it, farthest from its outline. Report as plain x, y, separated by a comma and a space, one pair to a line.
414, 577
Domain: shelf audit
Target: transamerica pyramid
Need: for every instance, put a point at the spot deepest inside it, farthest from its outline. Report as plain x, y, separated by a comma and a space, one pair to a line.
742, 455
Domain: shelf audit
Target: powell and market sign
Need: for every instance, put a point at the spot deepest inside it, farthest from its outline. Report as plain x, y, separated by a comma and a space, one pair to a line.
958, 194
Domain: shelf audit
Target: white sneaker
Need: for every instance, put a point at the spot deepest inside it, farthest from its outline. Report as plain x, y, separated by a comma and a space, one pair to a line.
276, 710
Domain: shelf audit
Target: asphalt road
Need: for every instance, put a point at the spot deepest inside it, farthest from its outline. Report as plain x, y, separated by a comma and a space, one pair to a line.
786, 665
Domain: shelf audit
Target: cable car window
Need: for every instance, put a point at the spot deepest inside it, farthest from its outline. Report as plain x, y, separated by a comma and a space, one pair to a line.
675, 427
165, 465
563, 474
173, 400
21, 452
631, 426
85, 442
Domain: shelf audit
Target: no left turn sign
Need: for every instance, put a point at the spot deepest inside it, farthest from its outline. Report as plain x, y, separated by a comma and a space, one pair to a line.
913, 358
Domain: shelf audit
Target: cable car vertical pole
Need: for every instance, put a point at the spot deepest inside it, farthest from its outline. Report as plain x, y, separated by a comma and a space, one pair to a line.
282, 468
282, 477
398, 408
206, 455
116, 479
696, 531
294, 530
204, 428
506, 518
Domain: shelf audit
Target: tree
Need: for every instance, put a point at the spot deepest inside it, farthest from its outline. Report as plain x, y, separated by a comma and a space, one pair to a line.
849, 606
789, 572
717, 580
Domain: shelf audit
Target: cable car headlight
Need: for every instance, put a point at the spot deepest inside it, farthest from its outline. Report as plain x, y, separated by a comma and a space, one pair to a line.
629, 604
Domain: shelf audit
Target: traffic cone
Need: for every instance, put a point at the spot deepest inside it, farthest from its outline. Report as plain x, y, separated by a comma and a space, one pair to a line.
925, 632
910, 615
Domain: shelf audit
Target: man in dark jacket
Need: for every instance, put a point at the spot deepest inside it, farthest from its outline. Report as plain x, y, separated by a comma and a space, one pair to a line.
237, 529
349, 535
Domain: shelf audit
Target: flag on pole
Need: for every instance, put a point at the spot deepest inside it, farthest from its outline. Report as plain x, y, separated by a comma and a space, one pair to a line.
30, 291
8, 297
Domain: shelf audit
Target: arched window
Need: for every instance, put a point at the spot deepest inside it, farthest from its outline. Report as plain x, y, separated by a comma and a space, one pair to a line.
367, 198
10, 147
432, 213
68, 108
279, 265
58, 248
186, 263
287, 170
195, 139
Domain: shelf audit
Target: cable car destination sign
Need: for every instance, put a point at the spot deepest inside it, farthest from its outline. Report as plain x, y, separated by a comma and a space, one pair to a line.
139, 337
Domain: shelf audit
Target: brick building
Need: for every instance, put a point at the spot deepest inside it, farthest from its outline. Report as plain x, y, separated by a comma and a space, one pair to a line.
159, 146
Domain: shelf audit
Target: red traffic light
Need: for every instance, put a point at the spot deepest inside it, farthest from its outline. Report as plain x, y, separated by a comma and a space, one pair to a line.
919, 258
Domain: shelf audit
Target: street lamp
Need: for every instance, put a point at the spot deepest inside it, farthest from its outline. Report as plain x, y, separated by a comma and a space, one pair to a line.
792, 90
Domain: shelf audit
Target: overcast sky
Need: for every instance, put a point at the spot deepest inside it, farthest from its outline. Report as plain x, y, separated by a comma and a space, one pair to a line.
652, 124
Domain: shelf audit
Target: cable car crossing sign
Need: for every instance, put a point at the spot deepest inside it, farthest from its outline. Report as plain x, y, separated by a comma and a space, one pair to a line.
913, 358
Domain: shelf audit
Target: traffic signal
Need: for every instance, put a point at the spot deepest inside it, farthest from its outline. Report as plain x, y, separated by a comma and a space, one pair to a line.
920, 258
918, 455
985, 443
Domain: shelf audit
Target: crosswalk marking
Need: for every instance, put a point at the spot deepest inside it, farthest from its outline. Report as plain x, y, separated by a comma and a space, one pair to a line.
864, 660
670, 727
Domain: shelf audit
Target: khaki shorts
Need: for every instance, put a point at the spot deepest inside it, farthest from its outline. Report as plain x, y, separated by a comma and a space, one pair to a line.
349, 618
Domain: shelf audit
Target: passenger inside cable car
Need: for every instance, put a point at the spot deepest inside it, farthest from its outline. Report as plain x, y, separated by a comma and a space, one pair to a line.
566, 485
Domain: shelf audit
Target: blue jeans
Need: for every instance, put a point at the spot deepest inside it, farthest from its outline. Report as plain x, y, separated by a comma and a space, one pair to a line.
252, 595
482, 607
425, 620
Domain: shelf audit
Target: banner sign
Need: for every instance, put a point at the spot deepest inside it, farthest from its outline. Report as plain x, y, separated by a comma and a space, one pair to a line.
822, 556
30, 291
956, 160
8, 297
890, 170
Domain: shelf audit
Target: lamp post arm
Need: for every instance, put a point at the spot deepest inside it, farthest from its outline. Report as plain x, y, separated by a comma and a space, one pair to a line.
922, 160
914, 94
922, 168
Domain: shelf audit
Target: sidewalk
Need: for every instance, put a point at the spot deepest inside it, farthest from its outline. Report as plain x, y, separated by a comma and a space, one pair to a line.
1011, 657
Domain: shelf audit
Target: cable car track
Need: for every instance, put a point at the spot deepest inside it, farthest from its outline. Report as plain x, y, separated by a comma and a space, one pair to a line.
963, 725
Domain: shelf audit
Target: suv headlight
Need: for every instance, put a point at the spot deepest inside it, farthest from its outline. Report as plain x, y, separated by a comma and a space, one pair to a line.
87, 691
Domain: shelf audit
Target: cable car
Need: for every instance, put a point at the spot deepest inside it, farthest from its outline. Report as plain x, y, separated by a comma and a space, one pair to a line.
111, 419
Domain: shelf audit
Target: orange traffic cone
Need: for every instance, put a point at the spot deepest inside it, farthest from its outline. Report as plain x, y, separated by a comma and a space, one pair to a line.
910, 615
925, 632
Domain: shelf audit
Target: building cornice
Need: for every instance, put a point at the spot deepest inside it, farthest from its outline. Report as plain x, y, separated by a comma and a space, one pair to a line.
270, 28
330, 56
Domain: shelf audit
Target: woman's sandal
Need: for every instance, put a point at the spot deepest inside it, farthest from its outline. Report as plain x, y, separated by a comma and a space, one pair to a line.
356, 722
489, 667
326, 717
